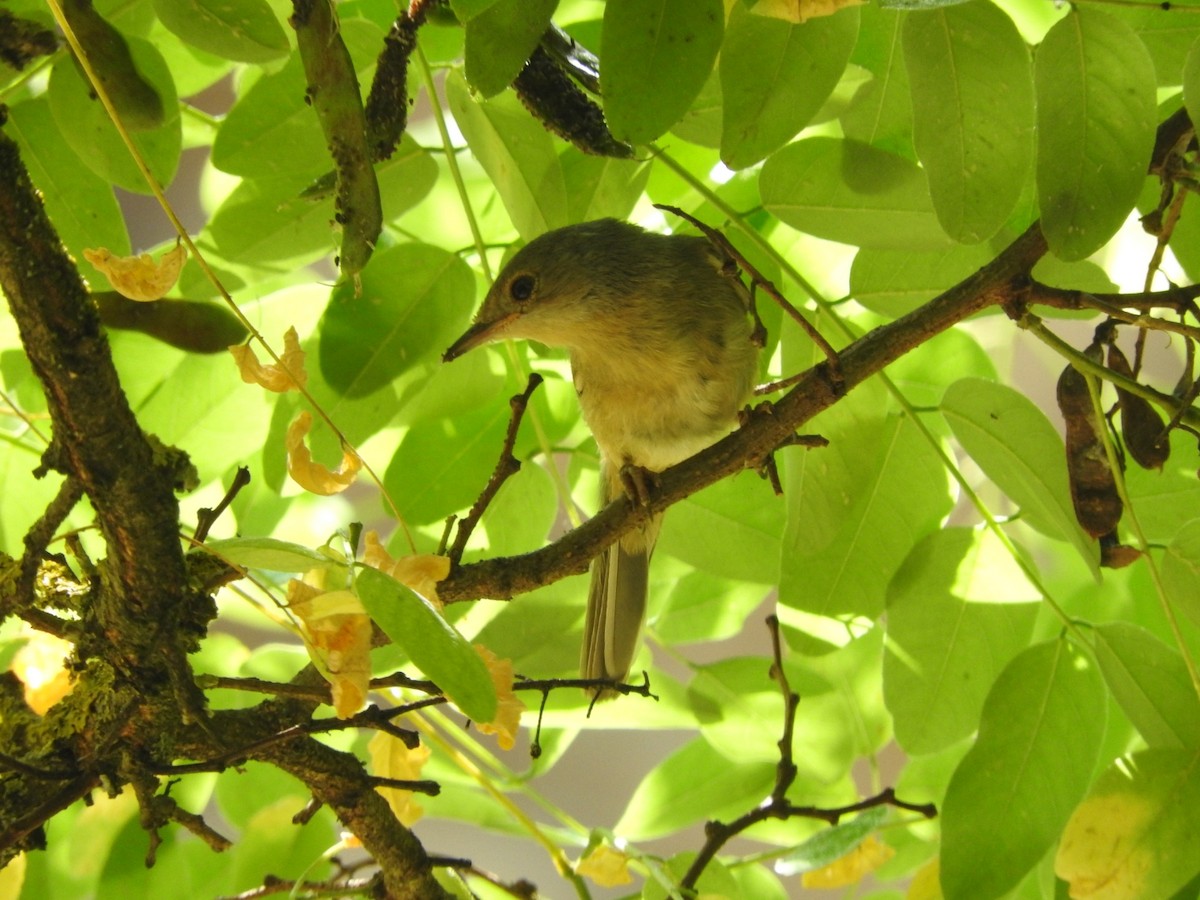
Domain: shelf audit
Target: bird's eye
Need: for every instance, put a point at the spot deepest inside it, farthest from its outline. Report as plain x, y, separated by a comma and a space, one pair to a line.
522, 287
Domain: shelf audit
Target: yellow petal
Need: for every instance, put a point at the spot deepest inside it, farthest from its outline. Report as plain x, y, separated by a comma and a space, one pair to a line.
310, 475
337, 634
139, 277
926, 883
390, 758
508, 707
605, 866
39, 665
420, 572
851, 868
290, 376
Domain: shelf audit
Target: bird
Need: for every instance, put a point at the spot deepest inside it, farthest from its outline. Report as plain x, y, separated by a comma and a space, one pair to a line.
658, 330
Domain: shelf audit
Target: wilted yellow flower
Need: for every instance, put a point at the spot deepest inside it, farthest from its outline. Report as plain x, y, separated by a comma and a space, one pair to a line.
605, 866
420, 572
508, 707
290, 377
337, 634
390, 758
139, 277
310, 475
851, 868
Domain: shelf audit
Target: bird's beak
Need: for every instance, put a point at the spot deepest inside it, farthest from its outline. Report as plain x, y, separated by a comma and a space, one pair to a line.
479, 333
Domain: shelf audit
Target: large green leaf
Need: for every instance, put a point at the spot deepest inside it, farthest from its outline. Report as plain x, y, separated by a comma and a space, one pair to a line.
1191, 82
85, 124
775, 76
1181, 570
855, 510
412, 301
517, 153
80, 203
271, 130
1009, 798
880, 113
1150, 680
849, 192
1096, 110
1019, 450
895, 282
671, 796
657, 55
958, 610
430, 641
500, 39
246, 31
972, 99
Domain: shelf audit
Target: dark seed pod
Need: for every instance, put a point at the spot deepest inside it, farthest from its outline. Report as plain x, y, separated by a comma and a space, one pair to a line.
559, 104
1146, 437
1098, 506
22, 40
190, 325
387, 103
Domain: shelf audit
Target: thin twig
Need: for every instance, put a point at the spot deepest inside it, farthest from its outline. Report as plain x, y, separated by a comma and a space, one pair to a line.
206, 517
506, 466
717, 834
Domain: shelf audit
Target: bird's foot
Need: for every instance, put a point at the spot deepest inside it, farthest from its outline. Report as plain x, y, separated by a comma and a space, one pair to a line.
639, 484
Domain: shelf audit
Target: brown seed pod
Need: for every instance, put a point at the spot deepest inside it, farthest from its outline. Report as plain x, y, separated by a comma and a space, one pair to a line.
1146, 437
1098, 506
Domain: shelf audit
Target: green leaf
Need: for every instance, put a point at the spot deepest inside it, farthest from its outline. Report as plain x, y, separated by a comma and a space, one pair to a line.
432, 643
895, 282
272, 131
600, 187
501, 38
1151, 682
973, 112
1009, 798
1191, 82
671, 796
1095, 125
1135, 834
958, 611
517, 153
84, 123
1181, 570
412, 301
1015, 445
775, 77
80, 203
855, 510
266, 553
730, 529
832, 844
466, 10
848, 192
880, 113
246, 31
264, 220
657, 55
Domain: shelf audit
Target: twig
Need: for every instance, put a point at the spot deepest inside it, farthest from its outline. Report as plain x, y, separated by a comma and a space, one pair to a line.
717, 834
206, 517
506, 466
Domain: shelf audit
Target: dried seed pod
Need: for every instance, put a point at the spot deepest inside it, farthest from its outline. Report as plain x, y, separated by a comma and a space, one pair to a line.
190, 325
387, 104
559, 104
1146, 437
1098, 506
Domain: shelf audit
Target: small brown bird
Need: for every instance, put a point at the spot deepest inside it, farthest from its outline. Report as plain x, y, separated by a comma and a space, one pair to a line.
659, 337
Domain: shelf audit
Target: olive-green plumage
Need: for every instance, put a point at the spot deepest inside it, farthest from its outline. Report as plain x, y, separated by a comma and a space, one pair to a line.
659, 339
